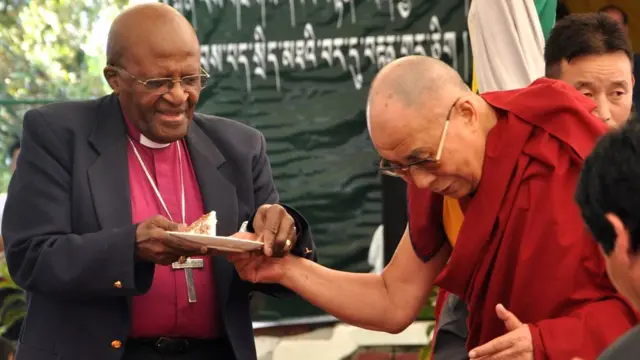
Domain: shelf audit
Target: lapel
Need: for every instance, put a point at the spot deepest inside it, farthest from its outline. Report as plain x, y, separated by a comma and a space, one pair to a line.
109, 174
218, 195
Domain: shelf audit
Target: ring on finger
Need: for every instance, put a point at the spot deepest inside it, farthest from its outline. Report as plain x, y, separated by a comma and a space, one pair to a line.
287, 244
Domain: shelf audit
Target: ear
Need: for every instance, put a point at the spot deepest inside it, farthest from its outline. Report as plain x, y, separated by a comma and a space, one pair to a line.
466, 109
622, 247
111, 75
633, 81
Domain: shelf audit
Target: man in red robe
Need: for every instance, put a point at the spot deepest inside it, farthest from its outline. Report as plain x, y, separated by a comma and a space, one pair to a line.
591, 53
513, 157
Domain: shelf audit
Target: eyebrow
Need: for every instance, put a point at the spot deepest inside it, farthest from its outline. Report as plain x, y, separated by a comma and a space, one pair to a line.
417, 154
620, 83
581, 84
617, 83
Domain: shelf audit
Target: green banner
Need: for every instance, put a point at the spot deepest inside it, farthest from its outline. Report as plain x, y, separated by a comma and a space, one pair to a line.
299, 71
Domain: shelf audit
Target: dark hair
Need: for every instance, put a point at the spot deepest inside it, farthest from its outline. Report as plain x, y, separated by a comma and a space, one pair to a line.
579, 35
625, 17
12, 149
610, 183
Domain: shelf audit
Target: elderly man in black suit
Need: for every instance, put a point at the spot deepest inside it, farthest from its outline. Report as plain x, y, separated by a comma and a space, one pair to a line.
98, 185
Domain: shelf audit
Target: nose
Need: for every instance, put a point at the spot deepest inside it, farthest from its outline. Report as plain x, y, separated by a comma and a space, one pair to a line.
603, 111
176, 95
420, 179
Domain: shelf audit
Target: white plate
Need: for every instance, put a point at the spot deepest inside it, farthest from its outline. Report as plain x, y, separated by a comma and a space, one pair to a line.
221, 243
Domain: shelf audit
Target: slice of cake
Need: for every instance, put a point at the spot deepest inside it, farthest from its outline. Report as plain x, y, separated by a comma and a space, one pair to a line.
205, 225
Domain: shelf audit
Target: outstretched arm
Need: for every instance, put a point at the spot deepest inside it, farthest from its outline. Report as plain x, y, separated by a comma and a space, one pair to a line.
386, 302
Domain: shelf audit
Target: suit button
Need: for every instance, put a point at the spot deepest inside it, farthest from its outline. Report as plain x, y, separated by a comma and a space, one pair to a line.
116, 344
117, 284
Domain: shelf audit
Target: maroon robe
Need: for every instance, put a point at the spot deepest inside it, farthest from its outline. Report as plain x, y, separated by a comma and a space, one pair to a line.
523, 242
165, 309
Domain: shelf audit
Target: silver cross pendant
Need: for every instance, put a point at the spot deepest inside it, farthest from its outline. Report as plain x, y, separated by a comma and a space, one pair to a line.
187, 266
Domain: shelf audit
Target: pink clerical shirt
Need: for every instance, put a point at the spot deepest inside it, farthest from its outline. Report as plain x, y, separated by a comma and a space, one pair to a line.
165, 310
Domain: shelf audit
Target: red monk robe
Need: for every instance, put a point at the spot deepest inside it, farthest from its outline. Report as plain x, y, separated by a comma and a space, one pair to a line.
434, 217
523, 243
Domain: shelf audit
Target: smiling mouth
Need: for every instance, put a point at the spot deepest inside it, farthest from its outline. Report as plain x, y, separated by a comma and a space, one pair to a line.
171, 116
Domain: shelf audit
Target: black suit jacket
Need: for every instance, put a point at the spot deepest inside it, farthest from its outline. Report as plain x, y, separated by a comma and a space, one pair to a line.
69, 236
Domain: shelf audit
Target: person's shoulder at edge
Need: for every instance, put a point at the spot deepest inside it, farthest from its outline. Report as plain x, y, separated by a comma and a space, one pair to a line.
554, 107
540, 97
546, 101
76, 115
625, 347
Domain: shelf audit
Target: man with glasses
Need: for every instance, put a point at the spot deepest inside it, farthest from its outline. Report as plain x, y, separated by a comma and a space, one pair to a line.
592, 53
512, 158
100, 183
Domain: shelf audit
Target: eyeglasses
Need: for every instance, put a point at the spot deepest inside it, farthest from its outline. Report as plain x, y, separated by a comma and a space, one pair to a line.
389, 168
164, 85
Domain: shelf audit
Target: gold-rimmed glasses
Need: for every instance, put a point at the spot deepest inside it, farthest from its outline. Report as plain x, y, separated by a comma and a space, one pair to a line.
390, 168
162, 86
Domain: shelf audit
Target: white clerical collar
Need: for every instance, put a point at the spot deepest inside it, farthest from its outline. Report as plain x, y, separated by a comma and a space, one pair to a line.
151, 144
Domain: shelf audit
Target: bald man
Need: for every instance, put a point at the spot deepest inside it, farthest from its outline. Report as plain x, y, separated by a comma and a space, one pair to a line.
100, 183
512, 159
588, 51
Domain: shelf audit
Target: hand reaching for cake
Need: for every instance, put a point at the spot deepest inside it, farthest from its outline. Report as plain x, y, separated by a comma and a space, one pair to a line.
155, 245
276, 229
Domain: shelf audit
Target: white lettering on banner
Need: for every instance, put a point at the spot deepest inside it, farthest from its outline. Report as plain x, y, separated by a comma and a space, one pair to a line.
264, 59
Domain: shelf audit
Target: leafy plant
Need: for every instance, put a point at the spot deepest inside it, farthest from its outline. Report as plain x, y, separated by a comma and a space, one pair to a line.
14, 306
49, 51
428, 313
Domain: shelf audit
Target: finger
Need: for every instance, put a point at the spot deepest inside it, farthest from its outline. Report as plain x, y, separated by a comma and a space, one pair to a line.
233, 257
510, 320
245, 236
181, 246
273, 216
509, 354
259, 218
281, 246
164, 223
493, 347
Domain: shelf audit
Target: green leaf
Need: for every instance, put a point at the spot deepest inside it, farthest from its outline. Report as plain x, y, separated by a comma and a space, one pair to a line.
14, 306
44, 55
428, 313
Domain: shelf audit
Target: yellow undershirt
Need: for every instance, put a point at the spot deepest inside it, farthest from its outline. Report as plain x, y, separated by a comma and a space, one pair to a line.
452, 218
